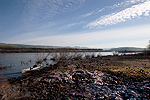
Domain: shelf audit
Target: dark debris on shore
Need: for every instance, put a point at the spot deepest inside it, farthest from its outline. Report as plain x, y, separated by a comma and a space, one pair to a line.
76, 80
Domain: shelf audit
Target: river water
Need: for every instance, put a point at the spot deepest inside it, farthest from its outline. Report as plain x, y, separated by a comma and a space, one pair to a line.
15, 62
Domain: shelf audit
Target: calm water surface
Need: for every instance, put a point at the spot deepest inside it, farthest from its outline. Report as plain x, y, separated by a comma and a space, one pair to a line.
15, 62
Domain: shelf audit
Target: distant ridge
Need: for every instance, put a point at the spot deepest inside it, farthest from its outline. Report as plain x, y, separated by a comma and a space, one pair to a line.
21, 48
29, 46
40, 46
127, 49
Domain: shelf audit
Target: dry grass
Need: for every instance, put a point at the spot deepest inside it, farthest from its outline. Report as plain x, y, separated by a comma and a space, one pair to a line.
137, 69
138, 73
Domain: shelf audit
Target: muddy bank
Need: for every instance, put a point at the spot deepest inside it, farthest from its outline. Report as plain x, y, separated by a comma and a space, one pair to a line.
80, 79
74, 83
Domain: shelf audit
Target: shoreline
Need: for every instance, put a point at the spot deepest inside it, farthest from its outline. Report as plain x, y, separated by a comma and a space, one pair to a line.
79, 73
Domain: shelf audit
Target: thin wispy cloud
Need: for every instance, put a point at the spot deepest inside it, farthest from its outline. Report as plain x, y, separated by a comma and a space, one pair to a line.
49, 8
39, 11
88, 14
142, 9
71, 25
121, 4
126, 3
92, 12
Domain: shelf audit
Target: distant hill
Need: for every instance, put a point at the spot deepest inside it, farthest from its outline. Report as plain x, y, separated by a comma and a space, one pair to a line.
40, 46
127, 49
21, 48
28, 46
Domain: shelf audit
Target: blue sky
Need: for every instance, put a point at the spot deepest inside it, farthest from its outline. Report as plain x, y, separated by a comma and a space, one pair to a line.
85, 23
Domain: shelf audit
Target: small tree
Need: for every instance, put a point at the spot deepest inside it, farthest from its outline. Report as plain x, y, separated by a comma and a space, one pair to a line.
148, 47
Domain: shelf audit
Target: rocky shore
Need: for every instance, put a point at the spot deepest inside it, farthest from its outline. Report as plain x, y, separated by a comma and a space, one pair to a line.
75, 82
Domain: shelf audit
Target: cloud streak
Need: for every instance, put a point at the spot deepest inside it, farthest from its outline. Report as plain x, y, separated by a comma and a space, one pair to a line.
121, 4
98, 38
142, 9
71, 25
127, 3
88, 14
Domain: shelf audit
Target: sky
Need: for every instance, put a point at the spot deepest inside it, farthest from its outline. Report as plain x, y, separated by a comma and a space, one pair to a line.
84, 23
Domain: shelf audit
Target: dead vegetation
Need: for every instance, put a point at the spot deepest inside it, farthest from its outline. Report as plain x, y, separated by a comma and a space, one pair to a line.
130, 67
